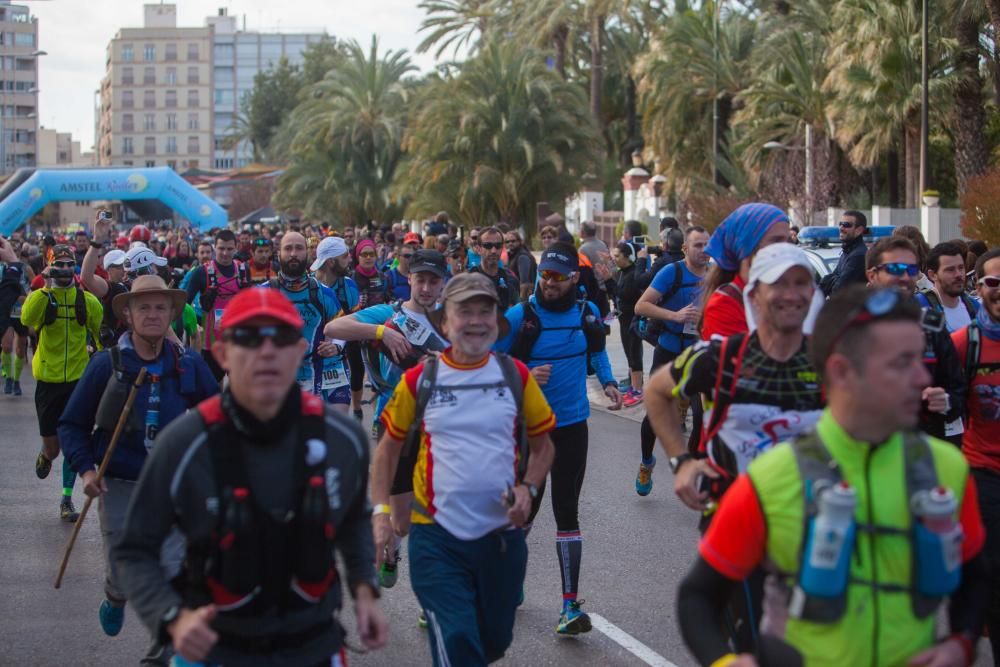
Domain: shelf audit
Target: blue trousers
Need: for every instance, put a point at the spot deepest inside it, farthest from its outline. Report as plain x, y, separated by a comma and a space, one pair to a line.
469, 591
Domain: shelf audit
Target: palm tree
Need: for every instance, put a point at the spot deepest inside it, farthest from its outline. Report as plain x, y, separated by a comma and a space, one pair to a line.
502, 135
454, 23
874, 59
354, 117
971, 153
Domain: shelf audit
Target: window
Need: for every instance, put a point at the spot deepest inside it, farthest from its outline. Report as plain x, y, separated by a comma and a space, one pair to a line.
150, 146
149, 122
194, 145
223, 53
171, 121
193, 99
171, 145
128, 53
127, 147
128, 123
224, 76
127, 77
192, 75
148, 76
127, 163
149, 52
193, 51
224, 163
24, 39
149, 99
150, 163
171, 52
223, 97
127, 100
171, 76
193, 121
171, 102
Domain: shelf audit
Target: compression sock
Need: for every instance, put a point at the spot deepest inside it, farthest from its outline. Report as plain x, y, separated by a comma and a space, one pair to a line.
569, 547
647, 439
5, 364
69, 477
18, 367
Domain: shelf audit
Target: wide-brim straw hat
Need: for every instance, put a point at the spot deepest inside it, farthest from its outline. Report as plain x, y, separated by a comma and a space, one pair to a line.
149, 284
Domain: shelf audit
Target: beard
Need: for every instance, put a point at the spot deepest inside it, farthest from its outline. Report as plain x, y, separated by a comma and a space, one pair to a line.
339, 270
559, 304
293, 268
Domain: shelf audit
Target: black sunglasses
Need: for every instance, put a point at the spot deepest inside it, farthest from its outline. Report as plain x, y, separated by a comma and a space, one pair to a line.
253, 337
491, 246
64, 265
847, 224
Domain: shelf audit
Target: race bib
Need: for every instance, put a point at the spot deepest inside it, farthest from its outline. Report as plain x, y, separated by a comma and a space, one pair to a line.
690, 328
218, 317
414, 331
954, 428
751, 429
334, 378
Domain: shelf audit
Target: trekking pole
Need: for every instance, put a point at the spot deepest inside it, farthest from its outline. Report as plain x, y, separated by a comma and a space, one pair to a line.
119, 427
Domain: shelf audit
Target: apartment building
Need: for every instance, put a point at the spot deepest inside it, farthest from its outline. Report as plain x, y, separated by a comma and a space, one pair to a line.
60, 149
155, 99
19, 55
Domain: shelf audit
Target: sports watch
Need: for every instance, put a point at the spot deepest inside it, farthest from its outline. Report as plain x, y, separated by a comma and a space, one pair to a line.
677, 461
532, 489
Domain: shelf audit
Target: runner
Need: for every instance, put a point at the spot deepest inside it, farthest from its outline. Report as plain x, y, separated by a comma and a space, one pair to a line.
62, 315
404, 334
489, 248
669, 304
215, 284
522, 263
14, 286
261, 267
258, 591
114, 266
317, 305
557, 335
176, 381
467, 548
946, 270
851, 522
892, 262
978, 346
374, 290
398, 277
761, 389
632, 263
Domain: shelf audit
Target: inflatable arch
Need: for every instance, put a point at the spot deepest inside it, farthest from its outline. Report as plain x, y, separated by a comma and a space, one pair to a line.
114, 183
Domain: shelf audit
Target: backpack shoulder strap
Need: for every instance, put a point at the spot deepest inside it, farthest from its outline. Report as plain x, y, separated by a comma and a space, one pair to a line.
527, 334
314, 298
933, 300
425, 390
973, 344
512, 377
81, 307
970, 305
273, 283
730, 360
116, 359
731, 291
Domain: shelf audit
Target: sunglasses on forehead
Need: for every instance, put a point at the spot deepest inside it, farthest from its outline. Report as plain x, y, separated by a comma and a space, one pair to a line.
281, 335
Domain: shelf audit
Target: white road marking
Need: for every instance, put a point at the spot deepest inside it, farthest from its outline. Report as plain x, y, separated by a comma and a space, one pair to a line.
629, 643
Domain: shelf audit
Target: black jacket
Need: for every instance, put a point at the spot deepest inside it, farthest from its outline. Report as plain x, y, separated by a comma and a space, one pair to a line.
508, 288
629, 289
850, 267
942, 362
178, 485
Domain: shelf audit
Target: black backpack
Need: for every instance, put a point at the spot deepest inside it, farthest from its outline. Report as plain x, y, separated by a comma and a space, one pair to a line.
649, 329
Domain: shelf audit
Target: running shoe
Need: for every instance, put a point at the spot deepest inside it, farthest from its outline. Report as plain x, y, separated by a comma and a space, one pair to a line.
67, 512
112, 618
644, 479
389, 572
625, 386
17, 388
633, 397
422, 620
42, 466
8, 386
572, 621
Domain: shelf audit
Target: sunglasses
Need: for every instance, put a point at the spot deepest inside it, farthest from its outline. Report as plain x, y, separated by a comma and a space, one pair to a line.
846, 224
899, 268
64, 265
491, 246
878, 304
555, 276
366, 254
253, 337
992, 282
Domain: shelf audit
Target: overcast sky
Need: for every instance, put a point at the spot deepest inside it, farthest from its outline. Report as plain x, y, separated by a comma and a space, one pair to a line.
75, 33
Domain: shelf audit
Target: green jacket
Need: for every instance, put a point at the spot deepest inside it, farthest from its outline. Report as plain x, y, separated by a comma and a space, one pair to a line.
62, 346
879, 626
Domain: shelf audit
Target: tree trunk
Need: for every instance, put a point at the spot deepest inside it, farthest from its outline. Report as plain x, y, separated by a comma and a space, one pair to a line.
633, 138
911, 136
596, 66
892, 176
725, 112
559, 39
993, 6
970, 114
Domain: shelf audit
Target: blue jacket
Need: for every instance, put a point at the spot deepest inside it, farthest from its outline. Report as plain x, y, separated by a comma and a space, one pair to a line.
564, 345
186, 382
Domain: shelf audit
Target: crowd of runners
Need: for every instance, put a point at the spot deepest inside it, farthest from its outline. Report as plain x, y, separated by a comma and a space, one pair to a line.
838, 437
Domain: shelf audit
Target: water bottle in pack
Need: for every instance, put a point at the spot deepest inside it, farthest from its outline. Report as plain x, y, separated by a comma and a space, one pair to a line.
938, 541
826, 565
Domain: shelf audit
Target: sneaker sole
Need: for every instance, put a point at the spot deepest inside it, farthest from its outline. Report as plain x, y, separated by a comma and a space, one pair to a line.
577, 626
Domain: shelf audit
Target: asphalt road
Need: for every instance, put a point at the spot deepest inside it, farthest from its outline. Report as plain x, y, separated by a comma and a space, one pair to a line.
635, 553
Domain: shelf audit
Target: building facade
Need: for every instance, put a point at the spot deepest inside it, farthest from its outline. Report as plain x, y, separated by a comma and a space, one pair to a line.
59, 149
155, 98
19, 55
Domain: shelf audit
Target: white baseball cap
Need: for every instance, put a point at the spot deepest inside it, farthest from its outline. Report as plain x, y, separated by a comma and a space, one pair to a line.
328, 248
141, 258
114, 258
768, 266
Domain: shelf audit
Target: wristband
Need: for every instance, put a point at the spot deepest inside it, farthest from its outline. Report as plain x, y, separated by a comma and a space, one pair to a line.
381, 508
96, 245
967, 646
727, 659
379, 331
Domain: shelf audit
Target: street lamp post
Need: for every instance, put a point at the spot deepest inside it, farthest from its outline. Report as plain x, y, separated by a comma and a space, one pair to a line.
808, 148
924, 130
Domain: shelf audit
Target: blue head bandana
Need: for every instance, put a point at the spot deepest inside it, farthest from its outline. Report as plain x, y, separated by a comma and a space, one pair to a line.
741, 232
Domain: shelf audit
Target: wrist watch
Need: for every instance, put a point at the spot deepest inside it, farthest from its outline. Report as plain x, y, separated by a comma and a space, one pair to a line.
677, 461
381, 508
169, 616
532, 489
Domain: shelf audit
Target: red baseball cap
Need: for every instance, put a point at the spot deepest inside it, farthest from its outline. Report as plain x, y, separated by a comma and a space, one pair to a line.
260, 302
412, 237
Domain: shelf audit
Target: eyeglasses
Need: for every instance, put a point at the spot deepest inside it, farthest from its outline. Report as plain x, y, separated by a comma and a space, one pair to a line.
899, 268
991, 282
366, 254
555, 276
491, 246
253, 337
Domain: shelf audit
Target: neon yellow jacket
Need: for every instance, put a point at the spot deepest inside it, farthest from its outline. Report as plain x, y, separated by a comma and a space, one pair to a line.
62, 346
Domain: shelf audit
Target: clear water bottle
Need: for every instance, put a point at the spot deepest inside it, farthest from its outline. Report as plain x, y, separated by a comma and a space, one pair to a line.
826, 567
939, 541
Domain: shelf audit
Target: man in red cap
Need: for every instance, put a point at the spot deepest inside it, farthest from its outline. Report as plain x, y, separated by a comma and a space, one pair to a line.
284, 481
